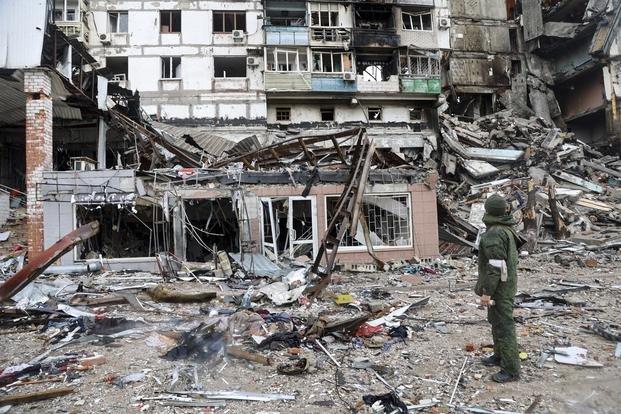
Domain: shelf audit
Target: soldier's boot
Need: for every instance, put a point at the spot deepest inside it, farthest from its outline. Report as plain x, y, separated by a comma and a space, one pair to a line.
503, 376
491, 360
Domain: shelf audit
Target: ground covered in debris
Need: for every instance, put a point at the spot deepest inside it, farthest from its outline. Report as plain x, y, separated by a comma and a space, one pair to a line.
150, 356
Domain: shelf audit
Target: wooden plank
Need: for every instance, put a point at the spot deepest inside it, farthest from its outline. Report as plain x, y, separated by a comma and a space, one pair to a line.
34, 396
339, 152
579, 182
309, 155
595, 205
238, 352
560, 229
601, 168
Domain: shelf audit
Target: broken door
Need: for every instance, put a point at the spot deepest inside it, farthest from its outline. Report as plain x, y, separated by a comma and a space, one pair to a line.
302, 226
269, 235
289, 226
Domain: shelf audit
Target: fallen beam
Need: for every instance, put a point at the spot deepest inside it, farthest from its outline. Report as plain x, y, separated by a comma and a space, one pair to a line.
579, 182
160, 293
238, 352
43, 260
34, 396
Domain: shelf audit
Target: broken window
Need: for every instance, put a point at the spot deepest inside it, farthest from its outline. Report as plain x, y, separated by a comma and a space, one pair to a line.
327, 114
117, 22
226, 22
288, 226
283, 114
376, 68
287, 60
229, 66
416, 114
171, 67
209, 225
124, 231
375, 114
293, 15
418, 65
388, 217
170, 21
66, 10
373, 16
324, 14
118, 67
417, 21
338, 62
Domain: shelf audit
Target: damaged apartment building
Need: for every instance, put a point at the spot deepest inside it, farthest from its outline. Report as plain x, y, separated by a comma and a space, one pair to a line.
557, 60
170, 138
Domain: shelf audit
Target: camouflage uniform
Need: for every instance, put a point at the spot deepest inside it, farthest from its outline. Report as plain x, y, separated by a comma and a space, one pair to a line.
499, 243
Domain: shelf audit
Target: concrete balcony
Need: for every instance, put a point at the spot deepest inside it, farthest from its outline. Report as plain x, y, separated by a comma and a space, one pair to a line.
74, 29
230, 84
287, 81
375, 38
330, 37
332, 83
429, 85
389, 86
286, 35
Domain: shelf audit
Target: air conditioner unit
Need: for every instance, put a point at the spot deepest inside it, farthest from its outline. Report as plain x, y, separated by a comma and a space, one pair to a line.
349, 76
105, 38
239, 35
444, 23
83, 164
252, 61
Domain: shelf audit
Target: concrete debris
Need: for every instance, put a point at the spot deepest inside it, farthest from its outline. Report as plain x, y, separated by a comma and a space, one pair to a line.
299, 228
560, 189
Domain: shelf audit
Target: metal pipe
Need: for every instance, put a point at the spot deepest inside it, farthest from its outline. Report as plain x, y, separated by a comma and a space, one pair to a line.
75, 268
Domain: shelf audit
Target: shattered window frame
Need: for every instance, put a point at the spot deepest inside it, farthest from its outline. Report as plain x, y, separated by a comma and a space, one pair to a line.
120, 23
344, 61
419, 65
125, 211
375, 221
295, 60
229, 21
227, 67
375, 110
417, 21
283, 114
62, 11
416, 114
171, 67
322, 13
173, 18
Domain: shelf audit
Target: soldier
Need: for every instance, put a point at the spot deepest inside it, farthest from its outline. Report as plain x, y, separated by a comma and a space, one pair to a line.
498, 282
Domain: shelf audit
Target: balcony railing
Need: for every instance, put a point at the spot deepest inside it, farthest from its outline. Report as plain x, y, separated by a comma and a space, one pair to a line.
390, 85
286, 35
429, 85
327, 35
333, 83
74, 29
287, 81
375, 38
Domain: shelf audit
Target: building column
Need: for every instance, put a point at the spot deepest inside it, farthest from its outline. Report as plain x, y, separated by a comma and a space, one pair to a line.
39, 150
101, 144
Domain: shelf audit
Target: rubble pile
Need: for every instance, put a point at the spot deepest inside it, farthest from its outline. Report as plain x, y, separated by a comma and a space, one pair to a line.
559, 187
13, 239
404, 340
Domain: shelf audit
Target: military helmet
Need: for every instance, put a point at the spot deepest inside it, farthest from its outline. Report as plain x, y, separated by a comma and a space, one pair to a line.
495, 205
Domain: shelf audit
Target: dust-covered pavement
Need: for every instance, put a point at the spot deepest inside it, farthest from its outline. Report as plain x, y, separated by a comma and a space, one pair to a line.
423, 368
